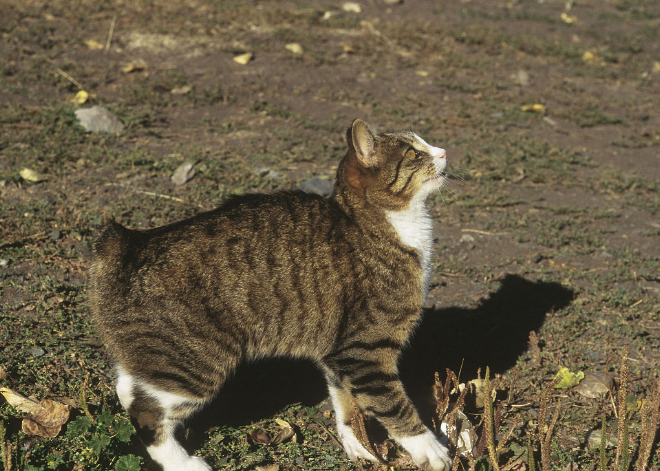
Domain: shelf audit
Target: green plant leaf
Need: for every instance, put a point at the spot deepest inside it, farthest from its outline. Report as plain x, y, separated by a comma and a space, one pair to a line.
124, 430
98, 442
128, 463
568, 378
80, 426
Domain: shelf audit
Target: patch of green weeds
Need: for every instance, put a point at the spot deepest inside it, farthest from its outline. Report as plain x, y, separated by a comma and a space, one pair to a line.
593, 117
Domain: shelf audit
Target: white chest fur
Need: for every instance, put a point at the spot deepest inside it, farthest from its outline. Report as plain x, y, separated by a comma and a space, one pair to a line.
415, 229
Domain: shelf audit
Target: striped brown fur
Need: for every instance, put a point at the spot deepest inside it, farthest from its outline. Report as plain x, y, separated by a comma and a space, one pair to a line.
285, 274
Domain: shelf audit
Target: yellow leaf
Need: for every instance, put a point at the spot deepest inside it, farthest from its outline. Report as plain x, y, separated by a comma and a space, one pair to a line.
535, 108
656, 66
589, 56
93, 44
30, 175
295, 48
81, 97
422, 73
134, 66
243, 59
568, 19
568, 378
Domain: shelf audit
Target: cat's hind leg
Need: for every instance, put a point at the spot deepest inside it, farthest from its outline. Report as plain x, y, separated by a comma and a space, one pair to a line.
156, 415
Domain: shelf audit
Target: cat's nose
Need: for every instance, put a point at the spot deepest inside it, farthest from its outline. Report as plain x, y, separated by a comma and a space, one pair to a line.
438, 152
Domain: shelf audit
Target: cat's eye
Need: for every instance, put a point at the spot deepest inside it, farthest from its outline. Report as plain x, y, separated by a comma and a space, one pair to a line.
414, 154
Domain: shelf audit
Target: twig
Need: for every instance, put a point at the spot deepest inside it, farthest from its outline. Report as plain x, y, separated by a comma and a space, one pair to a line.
110, 33
477, 231
332, 435
65, 75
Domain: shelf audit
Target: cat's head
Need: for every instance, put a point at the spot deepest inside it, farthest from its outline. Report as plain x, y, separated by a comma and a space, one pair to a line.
391, 170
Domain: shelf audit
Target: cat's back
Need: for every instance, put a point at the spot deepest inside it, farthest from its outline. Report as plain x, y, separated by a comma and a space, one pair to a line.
252, 237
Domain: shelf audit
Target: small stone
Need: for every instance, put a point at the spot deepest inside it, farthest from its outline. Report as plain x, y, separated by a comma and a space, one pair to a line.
352, 7
54, 235
99, 119
594, 437
4, 262
467, 240
318, 186
393, 2
37, 351
594, 385
267, 173
184, 173
522, 78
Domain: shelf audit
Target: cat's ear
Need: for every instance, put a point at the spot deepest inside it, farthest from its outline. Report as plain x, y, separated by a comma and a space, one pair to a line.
361, 139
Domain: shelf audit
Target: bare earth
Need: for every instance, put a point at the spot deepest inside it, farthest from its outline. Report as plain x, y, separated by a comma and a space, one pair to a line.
551, 224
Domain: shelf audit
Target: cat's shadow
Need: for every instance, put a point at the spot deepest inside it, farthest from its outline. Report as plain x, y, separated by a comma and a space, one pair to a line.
495, 333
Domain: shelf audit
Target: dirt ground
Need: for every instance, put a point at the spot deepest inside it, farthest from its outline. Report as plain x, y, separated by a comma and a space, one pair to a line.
548, 111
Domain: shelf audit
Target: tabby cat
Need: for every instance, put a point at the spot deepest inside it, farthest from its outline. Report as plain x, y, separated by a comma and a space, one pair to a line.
340, 281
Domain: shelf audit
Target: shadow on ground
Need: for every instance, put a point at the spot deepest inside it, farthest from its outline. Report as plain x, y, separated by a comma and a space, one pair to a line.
494, 334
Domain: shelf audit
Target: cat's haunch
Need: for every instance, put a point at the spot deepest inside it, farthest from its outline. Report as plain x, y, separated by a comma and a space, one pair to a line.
340, 281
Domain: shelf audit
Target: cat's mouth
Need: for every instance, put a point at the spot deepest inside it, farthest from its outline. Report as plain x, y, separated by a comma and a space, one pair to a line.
437, 177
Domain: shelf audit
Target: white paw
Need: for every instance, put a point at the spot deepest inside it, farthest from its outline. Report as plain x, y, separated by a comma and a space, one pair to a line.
427, 452
172, 457
196, 463
352, 445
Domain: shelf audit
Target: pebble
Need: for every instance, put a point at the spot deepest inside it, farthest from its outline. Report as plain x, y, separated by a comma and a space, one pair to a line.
99, 119
54, 235
184, 173
467, 240
37, 351
318, 186
267, 173
4, 262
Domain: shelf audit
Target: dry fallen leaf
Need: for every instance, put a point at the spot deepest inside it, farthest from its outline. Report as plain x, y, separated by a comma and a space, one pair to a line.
243, 59
181, 90
461, 434
44, 418
285, 434
295, 48
30, 175
134, 66
568, 19
93, 44
3, 373
260, 437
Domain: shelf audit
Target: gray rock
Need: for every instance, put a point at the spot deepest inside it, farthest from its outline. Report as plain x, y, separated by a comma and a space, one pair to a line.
37, 351
318, 186
99, 119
